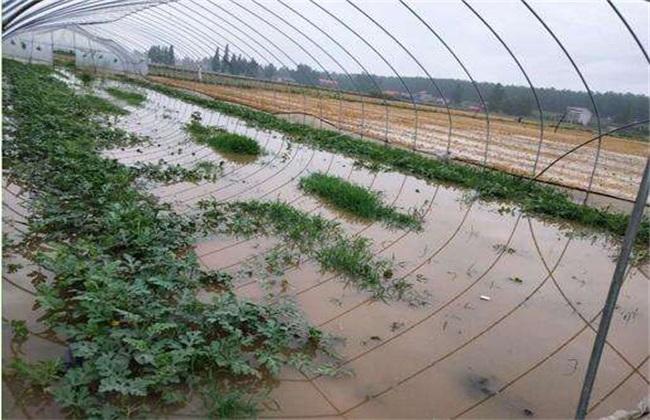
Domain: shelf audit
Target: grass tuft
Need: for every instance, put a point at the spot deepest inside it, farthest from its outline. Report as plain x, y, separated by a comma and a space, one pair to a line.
223, 141
234, 143
130, 97
357, 200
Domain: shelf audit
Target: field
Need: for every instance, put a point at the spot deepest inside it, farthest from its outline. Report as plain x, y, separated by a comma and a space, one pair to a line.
512, 146
484, 311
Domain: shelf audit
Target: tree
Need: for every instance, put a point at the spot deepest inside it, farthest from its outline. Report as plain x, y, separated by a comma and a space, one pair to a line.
154, 54
305, 75
457, 94
225, 61
162, 55
364, 83
253, 68
269, 71
496, 98
215, 63
624, 115
521, 105
171, 60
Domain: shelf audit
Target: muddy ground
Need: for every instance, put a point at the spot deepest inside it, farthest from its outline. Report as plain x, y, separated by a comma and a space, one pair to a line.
522, 353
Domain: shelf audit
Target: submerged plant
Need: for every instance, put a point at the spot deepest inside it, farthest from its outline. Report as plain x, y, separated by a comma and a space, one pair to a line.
38, 375
221, 140
20, 331
85, 77
95, 104
357, 200
130, 97
325, 241
169, 174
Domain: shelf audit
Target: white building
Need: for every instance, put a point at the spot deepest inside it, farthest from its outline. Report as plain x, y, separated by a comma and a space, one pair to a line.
578, 115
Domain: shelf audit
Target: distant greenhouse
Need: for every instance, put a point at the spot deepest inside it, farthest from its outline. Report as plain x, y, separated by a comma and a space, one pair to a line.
90, 51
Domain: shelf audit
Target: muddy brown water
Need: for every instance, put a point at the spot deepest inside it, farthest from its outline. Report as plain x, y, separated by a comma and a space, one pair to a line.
523, 353
511, 146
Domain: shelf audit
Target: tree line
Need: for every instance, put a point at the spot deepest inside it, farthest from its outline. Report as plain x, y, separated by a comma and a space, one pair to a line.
228, 62
162, 55
617, 108
518, 101
239, 65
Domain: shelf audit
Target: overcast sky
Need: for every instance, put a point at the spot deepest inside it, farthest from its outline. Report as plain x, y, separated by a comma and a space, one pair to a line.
590, 30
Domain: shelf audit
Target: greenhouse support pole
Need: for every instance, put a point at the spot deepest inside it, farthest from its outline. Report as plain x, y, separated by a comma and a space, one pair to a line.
52, 46
614, 289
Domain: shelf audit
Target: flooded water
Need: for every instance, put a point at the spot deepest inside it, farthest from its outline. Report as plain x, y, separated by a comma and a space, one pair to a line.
511, 146
513, 301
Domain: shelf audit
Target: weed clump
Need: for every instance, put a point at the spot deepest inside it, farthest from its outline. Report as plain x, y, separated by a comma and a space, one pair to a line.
223, 141
357, 200
130, 97
321, 239
170, 174
85, 77
234, 143
96, 105
38, 375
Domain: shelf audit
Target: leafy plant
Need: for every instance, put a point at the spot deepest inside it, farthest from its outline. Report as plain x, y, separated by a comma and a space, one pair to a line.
37, 375
201, 171
97, 105
125, 279
19, 328
224, 403
130, 97
357, 200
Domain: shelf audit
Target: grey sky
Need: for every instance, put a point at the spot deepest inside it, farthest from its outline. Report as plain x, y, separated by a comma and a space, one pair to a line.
591, 32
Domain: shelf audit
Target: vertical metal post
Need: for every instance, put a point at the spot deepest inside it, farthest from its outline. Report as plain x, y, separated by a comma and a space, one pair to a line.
31, 50
52, 46
614, 289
